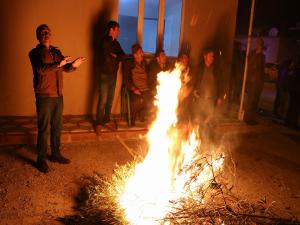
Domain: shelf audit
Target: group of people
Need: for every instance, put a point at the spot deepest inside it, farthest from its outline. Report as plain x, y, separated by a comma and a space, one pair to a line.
139, 78
201, 93
202, 87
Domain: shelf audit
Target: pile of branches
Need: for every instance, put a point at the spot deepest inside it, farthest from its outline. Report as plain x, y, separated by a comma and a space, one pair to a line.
222, 207
102, 196
213, 204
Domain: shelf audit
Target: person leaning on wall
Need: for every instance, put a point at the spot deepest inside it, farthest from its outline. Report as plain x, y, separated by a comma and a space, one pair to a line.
48, 65
111, 54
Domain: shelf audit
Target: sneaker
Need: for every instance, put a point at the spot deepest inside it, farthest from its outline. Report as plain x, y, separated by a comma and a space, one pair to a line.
59, 159
98, 129
42, 166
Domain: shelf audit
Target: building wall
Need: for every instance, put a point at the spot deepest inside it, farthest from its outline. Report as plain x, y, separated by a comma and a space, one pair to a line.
210, 24
76, 26
76, 29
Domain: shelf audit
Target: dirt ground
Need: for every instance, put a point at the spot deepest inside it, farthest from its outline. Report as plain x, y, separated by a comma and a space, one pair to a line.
266, 159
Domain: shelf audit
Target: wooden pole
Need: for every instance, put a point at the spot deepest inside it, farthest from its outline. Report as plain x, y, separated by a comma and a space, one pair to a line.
241, 109
140, 22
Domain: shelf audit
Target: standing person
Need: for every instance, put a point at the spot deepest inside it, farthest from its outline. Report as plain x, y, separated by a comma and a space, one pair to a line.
136, 79
48, 65
184, 108
284, 84
207, 94
293, 111
112, 54
255, 81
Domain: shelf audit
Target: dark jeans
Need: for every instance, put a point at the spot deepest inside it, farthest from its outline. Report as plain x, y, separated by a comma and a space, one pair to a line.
254, 90
140, 105
293, 112
106, 96
203, 115
49, 118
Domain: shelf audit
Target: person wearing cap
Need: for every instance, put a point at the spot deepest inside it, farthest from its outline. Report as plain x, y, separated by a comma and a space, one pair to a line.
48, 65
136, 80
255, 81
111, 54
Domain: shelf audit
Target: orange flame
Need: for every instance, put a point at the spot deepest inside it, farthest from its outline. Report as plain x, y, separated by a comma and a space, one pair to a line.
156, 181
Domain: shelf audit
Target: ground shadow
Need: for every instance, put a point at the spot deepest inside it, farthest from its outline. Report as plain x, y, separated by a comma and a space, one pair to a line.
85, 214
14, 151
79, 220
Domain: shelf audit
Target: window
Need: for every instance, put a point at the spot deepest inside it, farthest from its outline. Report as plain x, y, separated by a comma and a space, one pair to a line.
128, 20
172, 26
152, 23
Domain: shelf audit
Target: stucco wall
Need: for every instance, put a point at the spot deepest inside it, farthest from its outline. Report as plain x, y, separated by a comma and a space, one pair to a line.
76, 28
210, 24
75, 25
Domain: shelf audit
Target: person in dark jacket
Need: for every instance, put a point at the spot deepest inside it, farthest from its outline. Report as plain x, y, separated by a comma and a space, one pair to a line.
293, 111
112, 54
283, 86
208, 93
255, 81
48, 65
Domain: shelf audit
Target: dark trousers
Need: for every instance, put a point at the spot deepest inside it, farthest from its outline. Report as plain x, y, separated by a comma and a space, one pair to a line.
106, 96
140, 105
293, 112
254, 90
49, 119
203, 114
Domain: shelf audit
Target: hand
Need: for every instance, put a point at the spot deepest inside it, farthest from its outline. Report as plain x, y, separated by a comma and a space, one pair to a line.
207, 119
196, 93
137, 91
219, 101
78, 62
113, 55
65, 60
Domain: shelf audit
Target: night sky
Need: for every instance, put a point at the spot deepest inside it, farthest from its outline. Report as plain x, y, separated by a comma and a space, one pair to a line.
281, 14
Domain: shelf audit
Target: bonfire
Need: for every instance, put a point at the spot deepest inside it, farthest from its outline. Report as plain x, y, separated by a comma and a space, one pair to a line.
174, 181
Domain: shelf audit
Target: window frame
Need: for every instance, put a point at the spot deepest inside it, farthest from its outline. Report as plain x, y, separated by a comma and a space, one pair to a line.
160, 23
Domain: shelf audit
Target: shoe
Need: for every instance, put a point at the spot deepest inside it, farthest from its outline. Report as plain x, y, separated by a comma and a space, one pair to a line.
42, 166
59, 159
98, 129
111, 126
